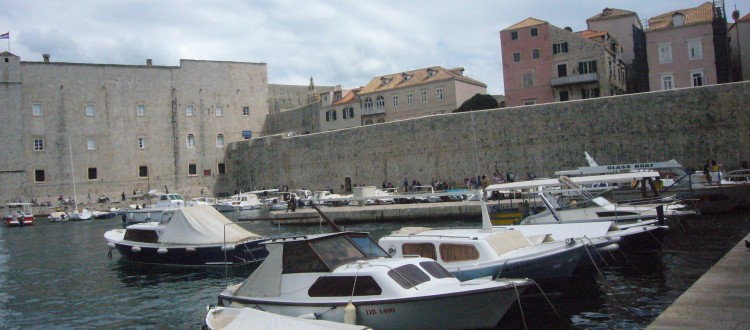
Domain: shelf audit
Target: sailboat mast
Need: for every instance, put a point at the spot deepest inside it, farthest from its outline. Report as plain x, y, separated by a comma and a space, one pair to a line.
73, 175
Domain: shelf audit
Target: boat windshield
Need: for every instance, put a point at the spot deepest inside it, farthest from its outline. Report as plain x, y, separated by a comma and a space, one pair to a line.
337, 250
370, 247
175, 197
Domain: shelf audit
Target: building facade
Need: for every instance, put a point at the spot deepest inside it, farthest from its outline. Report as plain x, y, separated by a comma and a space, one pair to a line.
110, 129
416, 93
739, 47
688, 48
543, 63
340, 109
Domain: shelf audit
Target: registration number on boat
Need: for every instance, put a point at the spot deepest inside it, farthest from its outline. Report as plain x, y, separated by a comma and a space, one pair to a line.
376, 311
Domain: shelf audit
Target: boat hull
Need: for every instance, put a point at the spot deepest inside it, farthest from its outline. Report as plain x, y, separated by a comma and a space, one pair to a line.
480, 308
16, 222
200, 255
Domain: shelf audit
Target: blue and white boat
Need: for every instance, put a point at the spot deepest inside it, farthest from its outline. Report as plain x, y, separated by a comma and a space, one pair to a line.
195, 235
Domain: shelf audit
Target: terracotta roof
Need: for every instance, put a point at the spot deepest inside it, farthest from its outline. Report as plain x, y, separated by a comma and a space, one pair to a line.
349, 97
701, 14
744, 18
592, 34
610, 13
525, 23
414, 78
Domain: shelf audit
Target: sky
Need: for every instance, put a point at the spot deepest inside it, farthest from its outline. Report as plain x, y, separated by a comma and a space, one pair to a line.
336, 42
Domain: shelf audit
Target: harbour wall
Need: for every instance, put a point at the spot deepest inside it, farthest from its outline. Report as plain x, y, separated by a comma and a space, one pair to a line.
689, 125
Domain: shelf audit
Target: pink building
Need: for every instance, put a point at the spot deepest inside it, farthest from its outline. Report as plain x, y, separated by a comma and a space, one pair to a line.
687, 48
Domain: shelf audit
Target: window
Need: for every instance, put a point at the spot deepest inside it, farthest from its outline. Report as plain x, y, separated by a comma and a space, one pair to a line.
92, 173
38, 144
39, 176
368, 104
245, 111
344, 286
667, 81
141, 142
381, 120
36, 110
409, 98
434, 269
424, 96
665, 53
516, 57
439, 94
589, 93
560, 47
221, 168
189, 111
192, 169
408, 276
140, 110
696, 78
426, 250
535, 53
562, 70
142, 171
380, 102
529, 102
528, 80
534, 32
219, 111
458, 252
395, 101
564, 96
348, 113
368, 122
89, 110
191, 141
330, 115
514, 35
695, 49
91, 144
586, 67
220, 141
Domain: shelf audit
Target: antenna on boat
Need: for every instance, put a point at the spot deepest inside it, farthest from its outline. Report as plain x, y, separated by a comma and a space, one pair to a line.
334, 227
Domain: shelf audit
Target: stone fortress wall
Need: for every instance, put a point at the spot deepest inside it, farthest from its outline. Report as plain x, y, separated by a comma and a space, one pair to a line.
689, 125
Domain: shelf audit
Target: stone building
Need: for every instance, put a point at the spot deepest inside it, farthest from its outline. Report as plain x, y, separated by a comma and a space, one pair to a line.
543, 63
122, 128
340, 109
739, 45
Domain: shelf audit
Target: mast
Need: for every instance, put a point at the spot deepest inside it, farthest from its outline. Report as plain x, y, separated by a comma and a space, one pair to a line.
73, 175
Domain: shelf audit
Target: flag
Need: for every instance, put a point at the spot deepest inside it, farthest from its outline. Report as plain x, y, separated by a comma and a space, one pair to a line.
5, 35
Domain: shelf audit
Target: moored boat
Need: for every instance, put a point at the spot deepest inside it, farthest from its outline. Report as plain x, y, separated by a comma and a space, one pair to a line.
18, 215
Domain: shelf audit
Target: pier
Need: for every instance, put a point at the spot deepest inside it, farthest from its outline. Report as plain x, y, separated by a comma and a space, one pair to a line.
720, 299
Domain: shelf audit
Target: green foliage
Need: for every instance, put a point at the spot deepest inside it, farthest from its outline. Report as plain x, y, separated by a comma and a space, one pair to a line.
478, 102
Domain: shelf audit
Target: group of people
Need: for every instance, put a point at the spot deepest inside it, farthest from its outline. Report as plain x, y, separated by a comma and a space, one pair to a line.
711, 171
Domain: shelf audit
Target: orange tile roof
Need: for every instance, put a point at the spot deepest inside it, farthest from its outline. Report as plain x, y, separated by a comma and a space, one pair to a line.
349, 97
701, 14
525, 23
744, 18
610, 13
592, 33
415, 78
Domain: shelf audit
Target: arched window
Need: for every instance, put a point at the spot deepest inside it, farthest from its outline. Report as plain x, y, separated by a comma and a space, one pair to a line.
368, 104
368, 122
220, 141
381, 120
380, 103
191, 141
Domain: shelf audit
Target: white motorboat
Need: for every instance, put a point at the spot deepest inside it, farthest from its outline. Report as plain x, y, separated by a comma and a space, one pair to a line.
154, 212
194, 235
228, 318
239, 202
58, 217
346, 276
371, 195
325, 197
83, 214
18, 215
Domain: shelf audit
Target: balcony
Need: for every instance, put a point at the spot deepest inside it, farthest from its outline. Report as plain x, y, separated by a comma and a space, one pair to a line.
372, 111
574, 79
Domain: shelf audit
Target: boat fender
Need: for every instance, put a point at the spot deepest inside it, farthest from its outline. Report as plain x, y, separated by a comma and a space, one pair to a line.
162, 251
190, 249
227, 248
111, 245
136, 249
350, 313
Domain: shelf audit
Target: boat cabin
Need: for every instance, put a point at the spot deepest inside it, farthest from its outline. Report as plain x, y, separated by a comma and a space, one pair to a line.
18, 214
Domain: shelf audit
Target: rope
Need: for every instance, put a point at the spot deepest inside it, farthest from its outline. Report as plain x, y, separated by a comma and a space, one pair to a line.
520, 307
109, 254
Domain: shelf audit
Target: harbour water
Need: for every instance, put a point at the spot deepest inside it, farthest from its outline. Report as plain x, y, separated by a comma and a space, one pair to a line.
58, 275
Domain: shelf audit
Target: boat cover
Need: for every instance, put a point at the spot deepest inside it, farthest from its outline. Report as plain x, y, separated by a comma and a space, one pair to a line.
250, 318
505, 241
266, 280
202, 225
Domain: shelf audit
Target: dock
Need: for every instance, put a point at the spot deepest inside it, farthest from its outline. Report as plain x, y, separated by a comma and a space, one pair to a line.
720, 299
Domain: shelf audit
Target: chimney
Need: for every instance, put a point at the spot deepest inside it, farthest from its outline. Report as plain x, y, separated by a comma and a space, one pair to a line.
148, 62
46, 58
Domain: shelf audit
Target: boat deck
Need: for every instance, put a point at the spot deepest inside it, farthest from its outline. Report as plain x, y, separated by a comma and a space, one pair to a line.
720, 299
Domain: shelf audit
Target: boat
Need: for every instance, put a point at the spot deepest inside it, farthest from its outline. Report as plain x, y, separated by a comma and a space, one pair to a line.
18, 215
194, 235
251, 318
371, 195
101, 215
203, 201
346, 276
136, 214
325, 197
76, 215
726, 193
239, 202
58, 217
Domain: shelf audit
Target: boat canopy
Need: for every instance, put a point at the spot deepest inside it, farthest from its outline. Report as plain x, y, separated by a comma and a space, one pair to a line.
202, 224
534, 184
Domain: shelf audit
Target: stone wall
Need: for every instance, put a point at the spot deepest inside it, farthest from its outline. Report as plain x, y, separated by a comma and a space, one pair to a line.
689, 125
301, 120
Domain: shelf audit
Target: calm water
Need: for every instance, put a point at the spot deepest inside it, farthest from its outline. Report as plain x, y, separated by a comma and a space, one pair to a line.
58, 275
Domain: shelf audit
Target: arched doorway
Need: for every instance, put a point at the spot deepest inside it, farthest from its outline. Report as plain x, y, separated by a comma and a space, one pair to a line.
347, 185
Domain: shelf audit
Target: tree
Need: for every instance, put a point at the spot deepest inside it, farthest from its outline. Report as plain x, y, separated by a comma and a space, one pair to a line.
478, 102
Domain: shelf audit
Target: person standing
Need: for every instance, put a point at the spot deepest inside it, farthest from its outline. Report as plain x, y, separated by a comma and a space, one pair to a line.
707, 172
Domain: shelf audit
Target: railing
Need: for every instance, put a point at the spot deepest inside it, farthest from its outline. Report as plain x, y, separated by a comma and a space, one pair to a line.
372, 111
575, 79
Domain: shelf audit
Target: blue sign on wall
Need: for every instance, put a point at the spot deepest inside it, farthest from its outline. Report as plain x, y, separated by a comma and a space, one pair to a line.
247, 134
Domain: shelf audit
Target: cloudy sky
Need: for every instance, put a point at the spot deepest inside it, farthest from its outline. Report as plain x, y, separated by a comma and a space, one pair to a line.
335, 42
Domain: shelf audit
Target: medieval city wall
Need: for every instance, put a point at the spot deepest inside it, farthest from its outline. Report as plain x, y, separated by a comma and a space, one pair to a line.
689, 125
